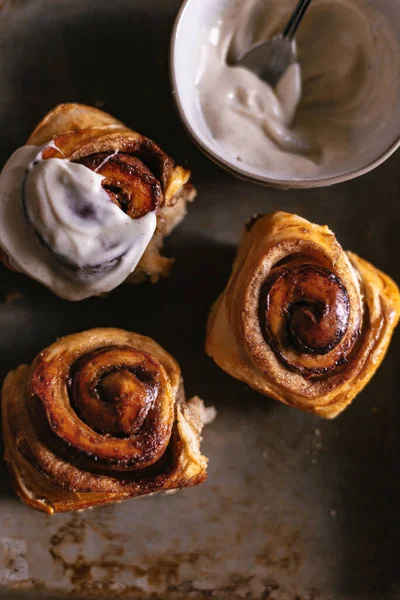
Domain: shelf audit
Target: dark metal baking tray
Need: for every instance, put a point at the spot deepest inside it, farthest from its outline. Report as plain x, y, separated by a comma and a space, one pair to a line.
294, 508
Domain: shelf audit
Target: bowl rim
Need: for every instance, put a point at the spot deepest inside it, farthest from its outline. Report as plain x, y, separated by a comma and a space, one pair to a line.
238, 171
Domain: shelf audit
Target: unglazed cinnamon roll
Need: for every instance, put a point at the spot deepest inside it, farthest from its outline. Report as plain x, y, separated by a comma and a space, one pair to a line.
85, 205
301, 320
99, 417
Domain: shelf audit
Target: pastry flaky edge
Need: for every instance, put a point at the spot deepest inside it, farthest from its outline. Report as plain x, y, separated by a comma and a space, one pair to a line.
30, 458
101, 131
234, 339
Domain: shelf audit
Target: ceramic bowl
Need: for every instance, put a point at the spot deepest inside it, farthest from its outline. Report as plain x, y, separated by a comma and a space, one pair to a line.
185, 48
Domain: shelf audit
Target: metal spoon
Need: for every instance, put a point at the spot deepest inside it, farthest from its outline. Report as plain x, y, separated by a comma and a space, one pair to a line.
269, 60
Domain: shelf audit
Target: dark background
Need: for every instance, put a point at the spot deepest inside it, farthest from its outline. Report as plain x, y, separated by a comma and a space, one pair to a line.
288, 512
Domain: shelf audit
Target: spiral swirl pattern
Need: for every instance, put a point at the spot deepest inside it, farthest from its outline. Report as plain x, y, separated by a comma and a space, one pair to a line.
101, 416
301, 320
117, 405
129, 182
305, 312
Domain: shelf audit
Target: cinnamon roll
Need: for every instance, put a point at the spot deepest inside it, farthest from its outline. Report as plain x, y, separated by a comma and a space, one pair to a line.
86, 203
100, 416
301, 320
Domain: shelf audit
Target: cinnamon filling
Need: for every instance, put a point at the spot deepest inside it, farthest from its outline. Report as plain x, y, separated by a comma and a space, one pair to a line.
115, 405
305, 310
113, 397
129, 183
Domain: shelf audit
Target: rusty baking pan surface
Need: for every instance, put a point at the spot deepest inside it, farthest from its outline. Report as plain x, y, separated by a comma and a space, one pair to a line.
294, 508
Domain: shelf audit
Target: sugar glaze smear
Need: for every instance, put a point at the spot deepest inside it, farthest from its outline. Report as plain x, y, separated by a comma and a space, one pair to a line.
325, 110
64, 228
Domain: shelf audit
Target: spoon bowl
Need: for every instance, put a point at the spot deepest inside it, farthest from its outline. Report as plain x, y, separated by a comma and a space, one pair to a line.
187, 59
270, 60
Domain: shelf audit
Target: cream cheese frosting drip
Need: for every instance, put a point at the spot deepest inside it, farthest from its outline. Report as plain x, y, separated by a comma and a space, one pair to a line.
59, 226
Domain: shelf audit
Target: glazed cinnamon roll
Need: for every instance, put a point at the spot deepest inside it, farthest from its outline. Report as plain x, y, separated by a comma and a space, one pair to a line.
99, 417
85, 205
301, 320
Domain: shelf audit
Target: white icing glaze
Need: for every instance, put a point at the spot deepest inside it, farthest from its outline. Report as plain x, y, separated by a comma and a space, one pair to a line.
56, 207
325, 110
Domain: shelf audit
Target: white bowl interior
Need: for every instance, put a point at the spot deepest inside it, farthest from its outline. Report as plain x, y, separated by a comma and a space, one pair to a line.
198, 16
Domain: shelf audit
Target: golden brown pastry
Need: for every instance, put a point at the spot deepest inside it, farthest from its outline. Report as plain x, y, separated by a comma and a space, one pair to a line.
99, 417
301, 320
87, 202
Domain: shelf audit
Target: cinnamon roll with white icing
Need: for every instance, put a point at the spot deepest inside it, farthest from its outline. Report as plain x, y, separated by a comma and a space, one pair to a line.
85, 205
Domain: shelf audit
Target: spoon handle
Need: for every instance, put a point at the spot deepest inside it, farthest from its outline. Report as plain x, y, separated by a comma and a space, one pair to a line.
294, 21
